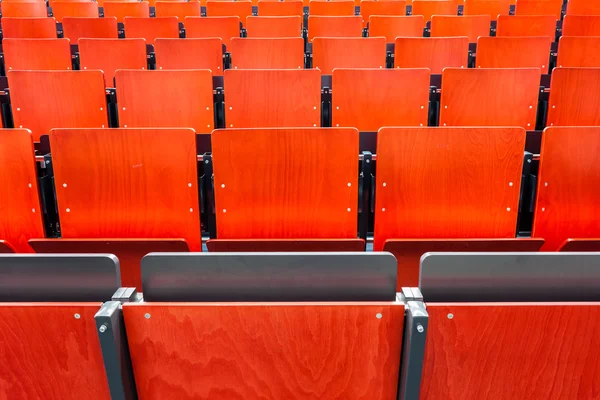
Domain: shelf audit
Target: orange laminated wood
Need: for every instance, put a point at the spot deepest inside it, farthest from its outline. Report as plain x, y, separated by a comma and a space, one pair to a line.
110, 55
151, 28
62, 9
75, 28
211, 27
52, 2
101, 3
583, 7
241, 9
447, 183
278, 245
280, 8
331, 8
294, 351
274, 27
128, 183
28, 28
514, 52
37, 54
129, 252
579, 245
323, 26
568, 186
526, 25
368, 99
20, 210
275, 207
120, 9
274, 53
574, 99
376, 7
42, 100
6, 248
583, 51
179, 9
330, 53
581, 25
511, 351
166, 98
493, 8
50, 354
273, 98
204, 53
538, 7
392, 27
428, 8
490, 97
24, 10
433, 53
471, 26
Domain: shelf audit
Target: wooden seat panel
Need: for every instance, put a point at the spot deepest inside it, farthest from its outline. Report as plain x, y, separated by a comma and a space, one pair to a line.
471, 26
267, 53
330, 53
517, 52
574, 99
392, 27
37, 54
433, 53
211, 27
75, 28
274, 27
28, 28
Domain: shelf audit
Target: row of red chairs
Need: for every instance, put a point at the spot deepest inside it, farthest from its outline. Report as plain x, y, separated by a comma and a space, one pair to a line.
298, 189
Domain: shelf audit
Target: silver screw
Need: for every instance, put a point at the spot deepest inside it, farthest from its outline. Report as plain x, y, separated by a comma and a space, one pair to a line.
102, 329
378, 315
529, 161
147, 316
420, 328
77, 316
450, 316
368, 161
206, 162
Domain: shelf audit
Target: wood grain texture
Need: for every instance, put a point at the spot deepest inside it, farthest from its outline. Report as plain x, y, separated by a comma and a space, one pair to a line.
274, 27
471, 26
20, 209
369, 99
211, 27
240, 9
42, 100
583, 7
186, 99
151, 28
526, 25
408, 252
392, 27
576, 51
567, 207
428, 8
493, 8
489, 97
128, 183
514, 52
499, 351
6, 248
206, 53
330, 53
252, 351
433, 53
121, 9
110, 55
24, 10
585, 245
37, 54
278, 245
331, 8
101, 3
49, 354
276, 205
280, 8
273, 98
129, 252
267, 53
28, 28
574, 99
324, 26
62, 9
447, 183
179, 9
76, 28
376, 7
581, 25
536, 7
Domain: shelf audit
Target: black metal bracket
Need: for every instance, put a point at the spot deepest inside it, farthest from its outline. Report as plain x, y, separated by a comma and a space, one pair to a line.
527, 190
48, 199
542, 111
7, 117
219, 107
389, 59
433, 117
209, 190
326, 107
111, 106
364, 192
226, 60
